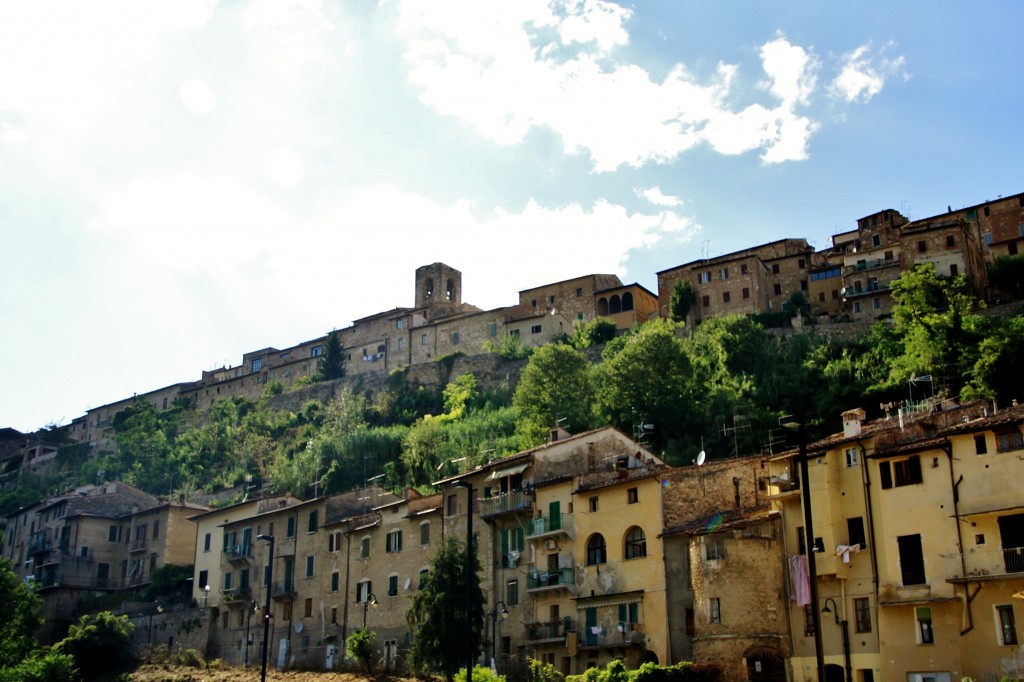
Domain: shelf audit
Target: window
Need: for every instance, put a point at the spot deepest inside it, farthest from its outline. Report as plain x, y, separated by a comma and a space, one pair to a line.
307, 610
714, 547
291, 527
335, 581
705, 277
900, 472
925, 634
364, 548
314, 519
551, 300
423, 339
922, 246
455, 338
592, 503
725, 297
363, 591
744, 269
111, 535
425, 533
803, 285
980, 446
629, 614
855, 532
810, 620
514, 332
512, 592
204, 580
597, 551
493, 330
393, 585
746, 292
535, 329
399, 324
705, 301
316, 351
156, 529
453, 505
856, 307
723, 273
310, 561
1007, 625
862, 614
777, 288
286, 611
228, 581
579, 292
876, 240
334, 542
394, 542
257, 364
876, 303
636, 543
1009, 440
775, 268
851, 457
632, 496
950, 241
800, 263
911, 559
714, 610
401, 342
424, 574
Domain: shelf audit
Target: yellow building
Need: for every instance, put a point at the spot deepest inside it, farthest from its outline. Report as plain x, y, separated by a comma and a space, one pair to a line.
918, 524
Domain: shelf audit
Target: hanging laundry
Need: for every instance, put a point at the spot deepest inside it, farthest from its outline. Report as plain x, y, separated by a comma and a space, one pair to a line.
799, 580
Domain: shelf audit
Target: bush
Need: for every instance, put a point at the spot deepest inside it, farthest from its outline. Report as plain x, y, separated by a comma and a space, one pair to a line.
480, 674
360, 646
99, 643
42, 666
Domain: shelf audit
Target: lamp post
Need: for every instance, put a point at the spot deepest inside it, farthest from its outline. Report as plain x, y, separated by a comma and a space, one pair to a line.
254, 607
206, 596
846, 636
371, 600
812, 565
468, 577
494, 629
159, 609
266, 611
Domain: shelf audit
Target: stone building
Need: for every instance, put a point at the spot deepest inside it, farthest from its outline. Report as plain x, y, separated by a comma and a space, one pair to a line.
933, 594
95, 540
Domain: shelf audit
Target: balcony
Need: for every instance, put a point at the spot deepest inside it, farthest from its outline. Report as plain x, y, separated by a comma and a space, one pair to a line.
549, 526
983, 565
238, 553
550, 631
38, 545
505, 504
138, 545
237, 595
624, 634
783, 484
560, 579
283, 589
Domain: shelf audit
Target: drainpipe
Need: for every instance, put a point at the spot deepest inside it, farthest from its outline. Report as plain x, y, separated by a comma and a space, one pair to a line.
866, 478
954, 485
812, 564
348, 572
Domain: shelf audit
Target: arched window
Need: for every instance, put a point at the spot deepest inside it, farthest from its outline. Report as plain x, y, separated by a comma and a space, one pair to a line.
597, 551
627, 301
449, 294
615, 305
430, 287
602, 306
636, 543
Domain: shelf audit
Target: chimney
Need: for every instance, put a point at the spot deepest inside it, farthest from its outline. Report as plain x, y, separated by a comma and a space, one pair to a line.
852, 420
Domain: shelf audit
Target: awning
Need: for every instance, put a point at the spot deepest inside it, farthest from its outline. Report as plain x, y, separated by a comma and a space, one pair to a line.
511, 471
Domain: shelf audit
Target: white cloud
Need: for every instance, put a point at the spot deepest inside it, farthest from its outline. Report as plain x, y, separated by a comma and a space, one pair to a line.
485, 68
659, 198
197, 96
863, 75
284, 167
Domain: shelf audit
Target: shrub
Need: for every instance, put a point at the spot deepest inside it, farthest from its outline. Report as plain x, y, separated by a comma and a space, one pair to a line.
43, 666
99, 643
360, 646
480, 674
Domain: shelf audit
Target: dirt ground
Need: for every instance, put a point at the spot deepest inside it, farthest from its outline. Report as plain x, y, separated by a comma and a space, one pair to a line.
180, 673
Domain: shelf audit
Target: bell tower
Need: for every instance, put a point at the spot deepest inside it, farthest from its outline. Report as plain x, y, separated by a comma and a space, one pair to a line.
438, 284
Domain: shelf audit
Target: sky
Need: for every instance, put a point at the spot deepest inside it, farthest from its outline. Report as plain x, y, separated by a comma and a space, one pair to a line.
183, 182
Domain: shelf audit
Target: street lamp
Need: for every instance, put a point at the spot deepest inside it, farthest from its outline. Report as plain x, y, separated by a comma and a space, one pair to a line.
846, 635
159, 609
206, 596
254, 607
371, 600
469, 577
266, 610
495, 624
790, 422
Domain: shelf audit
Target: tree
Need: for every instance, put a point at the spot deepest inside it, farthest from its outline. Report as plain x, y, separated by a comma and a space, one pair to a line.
360, 646
682, 300
332, 364
1006, 275
554, 385
99, 643
167, 583
598, 330
19, 617
437, 616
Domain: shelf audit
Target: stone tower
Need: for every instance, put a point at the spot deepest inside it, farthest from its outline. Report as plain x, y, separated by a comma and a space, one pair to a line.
438, 284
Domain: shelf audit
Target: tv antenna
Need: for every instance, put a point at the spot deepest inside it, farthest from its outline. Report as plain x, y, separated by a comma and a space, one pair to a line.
736, 426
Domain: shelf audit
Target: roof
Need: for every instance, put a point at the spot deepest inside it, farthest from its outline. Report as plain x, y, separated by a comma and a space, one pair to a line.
720, 521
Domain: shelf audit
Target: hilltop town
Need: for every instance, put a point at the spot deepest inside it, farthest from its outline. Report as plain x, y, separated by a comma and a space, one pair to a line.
795, 563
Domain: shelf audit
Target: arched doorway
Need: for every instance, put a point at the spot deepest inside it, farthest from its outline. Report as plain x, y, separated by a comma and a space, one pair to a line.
765, 664
648, 657
834, 673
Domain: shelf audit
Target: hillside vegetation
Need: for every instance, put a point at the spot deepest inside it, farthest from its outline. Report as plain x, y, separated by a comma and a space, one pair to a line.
720, 387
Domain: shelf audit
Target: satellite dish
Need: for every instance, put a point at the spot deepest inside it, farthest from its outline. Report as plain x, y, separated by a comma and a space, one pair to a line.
701, 456
298, 628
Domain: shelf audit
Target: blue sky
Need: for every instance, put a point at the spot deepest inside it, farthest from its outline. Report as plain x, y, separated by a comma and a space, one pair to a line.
184, 182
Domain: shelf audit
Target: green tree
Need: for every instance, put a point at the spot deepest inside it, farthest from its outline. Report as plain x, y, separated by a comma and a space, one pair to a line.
19, 617
458, 395
443, 639
332, 364
167, 583
598, 330
555, 385
681, 301
99, 643
44, 665
1000, 363
360, 646
1006, 275
511, 347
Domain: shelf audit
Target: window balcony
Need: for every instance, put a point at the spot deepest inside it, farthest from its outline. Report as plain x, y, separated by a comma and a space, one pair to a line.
983, 565
506, 503
237, 595
549, 526
138, 545
562, 578
283, 589
238, 553
549, 631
